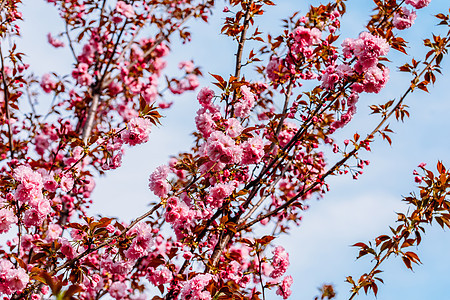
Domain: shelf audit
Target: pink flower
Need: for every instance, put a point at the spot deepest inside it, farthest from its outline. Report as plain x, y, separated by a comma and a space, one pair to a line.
17, 279
114, 88
189, 83
54, 42
221, 148
221, 191
47, 83
375, 79
27, 242
233, 272
54, 231
125, 9
42, 205
192, 79
284, 289
253, 150
118, 290
126, 112
88, 54
31, 184
287, 133
137, 131
193, 288
329, 78
344, 70
158, 277
205, 122
422, 165
418, 4
113, 163
141, 243
158, 181
367, 48
243, 107
205, 96
42, 143
177, 211
117, 267
33, 217
66, 182
404, 18
188, 66
149, 93
352, 99
5, 267
233, 127
306, 36
280, 262
7, 218
81, 74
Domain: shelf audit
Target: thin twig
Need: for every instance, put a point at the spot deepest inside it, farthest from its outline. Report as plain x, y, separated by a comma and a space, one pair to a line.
69, 39
2, 5
260, 275
90, 250
8, 114
343, 160
158, 41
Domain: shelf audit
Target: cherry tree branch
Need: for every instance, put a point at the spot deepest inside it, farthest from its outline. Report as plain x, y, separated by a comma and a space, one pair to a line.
348, 156
69, 39
90, 250
7, 112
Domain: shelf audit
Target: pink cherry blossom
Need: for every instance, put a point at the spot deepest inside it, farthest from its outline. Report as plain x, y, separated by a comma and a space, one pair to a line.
253, 150
16, 279
32, 217
125, 9
194, 288
205, 122
280, 262
67, 182
149, 93
141, 243
329, 78
118, 290
42, 143
221, 191
367, 48
54, 231
158, 181
160, 276
54, 42
418, 4
404, 18
375, 79
222, 148
81, 74
7, 218
275, 69
188, 66
284, 289
47, 83
137, 131
307, 36
245, 104
31, 184
233, 127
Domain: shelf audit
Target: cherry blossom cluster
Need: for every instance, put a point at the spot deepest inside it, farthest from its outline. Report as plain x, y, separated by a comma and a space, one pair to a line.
260, 151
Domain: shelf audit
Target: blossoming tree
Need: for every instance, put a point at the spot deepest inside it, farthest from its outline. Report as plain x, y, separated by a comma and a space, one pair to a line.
258, 153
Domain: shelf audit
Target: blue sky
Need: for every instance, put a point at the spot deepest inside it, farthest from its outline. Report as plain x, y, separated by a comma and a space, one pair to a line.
352, 211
